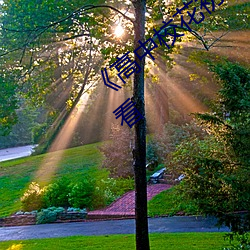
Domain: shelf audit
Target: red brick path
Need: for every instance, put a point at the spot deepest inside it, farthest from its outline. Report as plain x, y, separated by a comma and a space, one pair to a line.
125, 205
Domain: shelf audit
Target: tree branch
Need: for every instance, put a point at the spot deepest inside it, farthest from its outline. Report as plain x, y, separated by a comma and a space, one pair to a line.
194, 33
42, 29
76, 12
112, 8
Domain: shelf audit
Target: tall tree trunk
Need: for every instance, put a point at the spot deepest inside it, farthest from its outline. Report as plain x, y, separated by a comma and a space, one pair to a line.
139, 152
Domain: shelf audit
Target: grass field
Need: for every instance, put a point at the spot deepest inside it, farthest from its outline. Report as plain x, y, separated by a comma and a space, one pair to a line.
173, 241
16, 175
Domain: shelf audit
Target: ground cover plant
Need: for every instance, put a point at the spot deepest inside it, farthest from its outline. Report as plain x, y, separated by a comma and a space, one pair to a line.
170, 241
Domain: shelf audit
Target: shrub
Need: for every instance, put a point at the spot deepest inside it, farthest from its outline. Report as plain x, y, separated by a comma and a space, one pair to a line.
73, 209
109, 189
48, 215
123, 185
243, 242
56, 194
103, 194
81, 194
208, 179
152, 156
216, 168
38, 131
33, 197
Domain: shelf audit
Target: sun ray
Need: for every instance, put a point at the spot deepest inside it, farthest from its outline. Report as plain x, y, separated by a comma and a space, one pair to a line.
50, 163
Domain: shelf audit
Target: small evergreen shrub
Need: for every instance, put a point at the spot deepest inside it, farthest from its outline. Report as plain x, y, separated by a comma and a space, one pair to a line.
48, 215
73, 209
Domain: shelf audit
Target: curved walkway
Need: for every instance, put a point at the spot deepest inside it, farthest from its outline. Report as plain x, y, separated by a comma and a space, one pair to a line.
125, 205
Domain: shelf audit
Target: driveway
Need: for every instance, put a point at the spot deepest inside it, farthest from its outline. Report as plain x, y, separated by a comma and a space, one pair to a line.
14, 153
156, 225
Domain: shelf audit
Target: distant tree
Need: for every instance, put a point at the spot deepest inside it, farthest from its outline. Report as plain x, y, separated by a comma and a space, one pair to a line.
118, 158
8, 105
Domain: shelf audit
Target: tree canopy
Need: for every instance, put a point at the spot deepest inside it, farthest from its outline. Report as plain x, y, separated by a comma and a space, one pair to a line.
56, 45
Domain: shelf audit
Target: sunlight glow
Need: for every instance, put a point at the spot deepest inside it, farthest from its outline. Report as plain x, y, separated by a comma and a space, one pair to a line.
52, 159
170, 93
119, 31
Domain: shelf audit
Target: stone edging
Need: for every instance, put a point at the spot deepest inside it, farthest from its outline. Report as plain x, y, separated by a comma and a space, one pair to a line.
30, 219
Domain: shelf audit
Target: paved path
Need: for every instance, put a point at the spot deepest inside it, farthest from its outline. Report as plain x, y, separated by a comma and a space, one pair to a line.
156, 225
125, 206
14, 153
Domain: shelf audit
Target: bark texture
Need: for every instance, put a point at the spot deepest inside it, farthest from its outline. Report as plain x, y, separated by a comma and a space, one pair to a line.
139, 152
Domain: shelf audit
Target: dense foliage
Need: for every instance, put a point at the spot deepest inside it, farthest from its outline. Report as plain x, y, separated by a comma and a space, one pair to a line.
55, 48
8, 105
217, 168
81, 194
56, 194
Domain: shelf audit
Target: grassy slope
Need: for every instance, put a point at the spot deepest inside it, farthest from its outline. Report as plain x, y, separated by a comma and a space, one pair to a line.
16, 175
173, 241
169, 203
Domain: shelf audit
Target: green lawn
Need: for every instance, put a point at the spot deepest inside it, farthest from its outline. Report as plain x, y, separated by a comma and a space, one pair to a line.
169, 202
171, 241
16, 175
